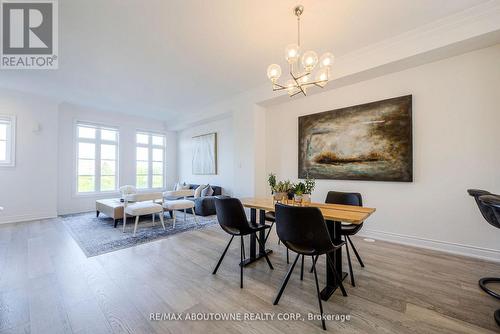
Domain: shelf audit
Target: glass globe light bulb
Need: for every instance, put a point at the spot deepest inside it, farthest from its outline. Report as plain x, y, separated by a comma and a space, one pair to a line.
290, 85
292, 53
326, 60
304, 80
309, 60
322, 77
274, 72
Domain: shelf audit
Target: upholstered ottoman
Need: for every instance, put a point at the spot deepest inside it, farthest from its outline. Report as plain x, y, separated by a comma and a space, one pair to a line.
110, 207
180, 204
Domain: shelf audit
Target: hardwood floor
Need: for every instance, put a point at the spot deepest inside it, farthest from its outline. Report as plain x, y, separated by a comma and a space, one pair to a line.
47, 285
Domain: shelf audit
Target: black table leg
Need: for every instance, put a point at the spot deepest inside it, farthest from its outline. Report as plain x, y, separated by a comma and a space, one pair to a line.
253, 240
262, 233
331, 281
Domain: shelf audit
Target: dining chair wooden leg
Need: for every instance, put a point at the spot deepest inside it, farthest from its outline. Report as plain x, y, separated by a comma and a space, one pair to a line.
162, 220
287, 256
265, 253
349, 261
285, 281
195, 217
124, 221
337, 276
136, 223
302, 269
222, 256
241, 263
319, 297
356, 253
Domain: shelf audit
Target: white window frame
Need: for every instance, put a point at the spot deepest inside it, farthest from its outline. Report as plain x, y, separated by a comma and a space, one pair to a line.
10, 120
150, 147
97, 157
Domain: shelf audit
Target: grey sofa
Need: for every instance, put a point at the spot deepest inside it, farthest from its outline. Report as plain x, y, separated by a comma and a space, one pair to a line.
205, 206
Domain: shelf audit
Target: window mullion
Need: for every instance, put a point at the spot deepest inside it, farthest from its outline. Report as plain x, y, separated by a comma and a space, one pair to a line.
150, 163
97, 177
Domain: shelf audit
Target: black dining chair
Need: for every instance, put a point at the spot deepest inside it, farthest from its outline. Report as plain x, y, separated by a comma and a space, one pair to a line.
489, 205
271, 217
233, 220
347, 230
303, 230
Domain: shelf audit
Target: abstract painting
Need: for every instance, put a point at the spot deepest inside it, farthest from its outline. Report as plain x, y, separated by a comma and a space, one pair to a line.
370, 142
205, 154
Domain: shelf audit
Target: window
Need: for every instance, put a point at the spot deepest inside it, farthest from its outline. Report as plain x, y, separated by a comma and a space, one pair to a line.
97, 157
150, 154
7, 140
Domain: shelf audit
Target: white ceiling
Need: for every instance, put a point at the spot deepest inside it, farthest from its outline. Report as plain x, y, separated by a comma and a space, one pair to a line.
161, 58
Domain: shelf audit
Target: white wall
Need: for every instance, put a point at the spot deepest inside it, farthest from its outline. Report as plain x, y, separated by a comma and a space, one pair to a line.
68, 200
456, 117
225, 154
29, 189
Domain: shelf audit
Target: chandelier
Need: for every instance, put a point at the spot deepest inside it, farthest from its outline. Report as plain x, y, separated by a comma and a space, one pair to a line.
302, 77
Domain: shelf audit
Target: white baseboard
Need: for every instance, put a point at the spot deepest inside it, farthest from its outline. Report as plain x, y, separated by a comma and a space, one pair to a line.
444, 246
27, 217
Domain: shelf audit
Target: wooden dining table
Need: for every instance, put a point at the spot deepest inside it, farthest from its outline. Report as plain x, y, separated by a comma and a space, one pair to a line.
334, 214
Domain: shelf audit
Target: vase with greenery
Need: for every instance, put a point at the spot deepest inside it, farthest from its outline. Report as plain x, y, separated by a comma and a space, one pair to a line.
289, 189
272, 182
309, 186
280, 191
299, 191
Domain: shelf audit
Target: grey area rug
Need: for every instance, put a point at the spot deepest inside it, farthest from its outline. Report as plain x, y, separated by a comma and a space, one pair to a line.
97, 236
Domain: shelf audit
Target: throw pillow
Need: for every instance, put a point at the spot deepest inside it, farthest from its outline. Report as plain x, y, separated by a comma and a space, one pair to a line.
185, 186
197, 192
207, 191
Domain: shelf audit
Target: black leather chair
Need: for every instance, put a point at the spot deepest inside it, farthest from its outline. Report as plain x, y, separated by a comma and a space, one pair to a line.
489, 205
337, 197
233, 220
303, 231
271, 217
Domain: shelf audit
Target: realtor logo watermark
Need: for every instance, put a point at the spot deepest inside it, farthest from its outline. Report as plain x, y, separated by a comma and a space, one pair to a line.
29, 34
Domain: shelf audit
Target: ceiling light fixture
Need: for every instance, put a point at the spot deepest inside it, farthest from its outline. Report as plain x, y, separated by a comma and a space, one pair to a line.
301, 76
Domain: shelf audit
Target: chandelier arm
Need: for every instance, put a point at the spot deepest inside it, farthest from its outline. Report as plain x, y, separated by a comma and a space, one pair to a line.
302, 90
298, 85
278, 87
303, 75
315, 83
298, 92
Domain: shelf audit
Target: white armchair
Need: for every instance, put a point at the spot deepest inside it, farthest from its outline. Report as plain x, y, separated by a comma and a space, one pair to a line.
142, 204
